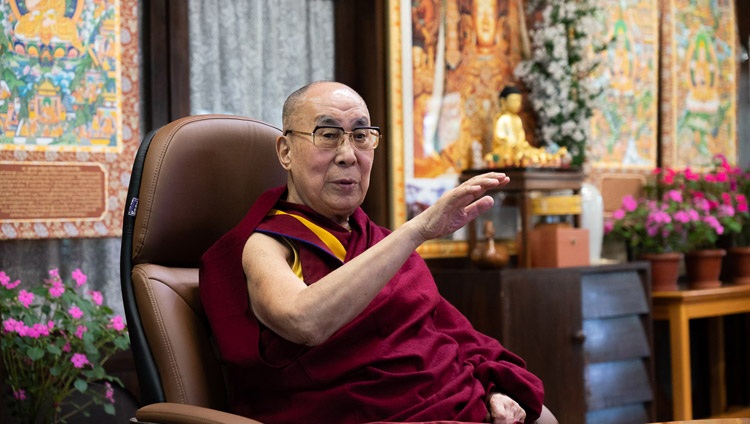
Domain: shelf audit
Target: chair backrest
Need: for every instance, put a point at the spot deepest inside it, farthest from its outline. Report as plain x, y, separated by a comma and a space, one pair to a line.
192, 181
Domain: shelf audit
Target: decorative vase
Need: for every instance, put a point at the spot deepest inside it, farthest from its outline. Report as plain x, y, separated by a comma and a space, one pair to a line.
738, 261
703, 267
592, 219
665, 270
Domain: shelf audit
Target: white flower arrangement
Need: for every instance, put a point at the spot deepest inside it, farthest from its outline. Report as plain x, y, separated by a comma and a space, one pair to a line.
558, 72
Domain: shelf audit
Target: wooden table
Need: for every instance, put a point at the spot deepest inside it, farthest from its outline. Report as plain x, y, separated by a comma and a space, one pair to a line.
679, 307
712, 421
523, 181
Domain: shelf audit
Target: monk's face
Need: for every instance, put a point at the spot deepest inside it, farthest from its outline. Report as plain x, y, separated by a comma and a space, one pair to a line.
331, 182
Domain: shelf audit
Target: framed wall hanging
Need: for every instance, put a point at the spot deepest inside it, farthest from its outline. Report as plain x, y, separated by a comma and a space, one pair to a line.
69, 116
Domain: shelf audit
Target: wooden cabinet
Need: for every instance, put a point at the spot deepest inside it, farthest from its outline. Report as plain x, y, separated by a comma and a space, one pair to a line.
585, 331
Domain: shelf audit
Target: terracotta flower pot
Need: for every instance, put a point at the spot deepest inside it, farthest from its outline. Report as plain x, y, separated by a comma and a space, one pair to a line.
703, 267
738, 261
665, 270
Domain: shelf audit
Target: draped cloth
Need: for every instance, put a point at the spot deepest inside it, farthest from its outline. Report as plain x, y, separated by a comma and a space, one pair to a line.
409, 356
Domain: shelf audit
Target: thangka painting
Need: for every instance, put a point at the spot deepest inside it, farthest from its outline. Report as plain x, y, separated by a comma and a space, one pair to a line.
624, 129
698, 82
69, 121
449, 60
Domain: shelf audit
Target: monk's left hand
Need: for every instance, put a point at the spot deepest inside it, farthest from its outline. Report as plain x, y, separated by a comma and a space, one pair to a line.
504, 410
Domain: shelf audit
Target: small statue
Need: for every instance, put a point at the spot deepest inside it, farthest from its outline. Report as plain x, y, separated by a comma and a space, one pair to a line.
509, 145
486, 255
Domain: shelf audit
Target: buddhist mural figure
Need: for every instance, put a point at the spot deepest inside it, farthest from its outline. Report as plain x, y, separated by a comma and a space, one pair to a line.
456, 85
702, 101
45, 20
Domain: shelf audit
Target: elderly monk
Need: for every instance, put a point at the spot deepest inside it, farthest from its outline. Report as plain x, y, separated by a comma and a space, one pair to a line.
322, 316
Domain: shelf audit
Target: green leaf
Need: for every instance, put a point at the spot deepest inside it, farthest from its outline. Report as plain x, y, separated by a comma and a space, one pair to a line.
54, 371
35, 353
54, 350
81, 385
109, 408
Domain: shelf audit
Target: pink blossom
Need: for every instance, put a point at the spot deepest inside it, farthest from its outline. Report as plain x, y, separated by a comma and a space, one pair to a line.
691, 176
109, 393
682, 217
673, 195
10, 325
4, 278
725, 210
19, 394
25, 298
66, 348
79, 277
37, 330
629, 203
79, 360
80, 330
57, 289
118, 323
741, 203
715, 224
75, 312
701, 203
608, 226
54, 274
618, 214
97, 298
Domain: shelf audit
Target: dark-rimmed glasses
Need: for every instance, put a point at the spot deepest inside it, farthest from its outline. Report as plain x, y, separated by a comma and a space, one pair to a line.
331, 137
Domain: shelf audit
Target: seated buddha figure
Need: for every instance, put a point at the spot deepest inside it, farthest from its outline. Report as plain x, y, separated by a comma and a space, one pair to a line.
509, 145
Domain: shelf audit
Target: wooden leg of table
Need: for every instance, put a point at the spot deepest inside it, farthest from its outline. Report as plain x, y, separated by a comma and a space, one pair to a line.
679, 335
717, 370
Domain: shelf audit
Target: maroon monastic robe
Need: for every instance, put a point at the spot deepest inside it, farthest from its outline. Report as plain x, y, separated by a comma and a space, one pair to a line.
409, 356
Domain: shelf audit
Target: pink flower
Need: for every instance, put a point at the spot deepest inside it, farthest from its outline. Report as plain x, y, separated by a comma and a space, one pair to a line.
79, 277
57, 289
618, 214
66, 348
5, 281
19, 394
715, 224
79, 360
629, 203
96, 297
673, 195
80, 330
75, 312
109, 393
691, 176
682, 217
25, 298
118, 323
608, 226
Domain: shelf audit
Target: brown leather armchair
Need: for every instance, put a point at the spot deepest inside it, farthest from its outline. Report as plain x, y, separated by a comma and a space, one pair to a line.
192, 181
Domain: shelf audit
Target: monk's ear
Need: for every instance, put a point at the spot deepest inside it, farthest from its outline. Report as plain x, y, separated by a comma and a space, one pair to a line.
284, 151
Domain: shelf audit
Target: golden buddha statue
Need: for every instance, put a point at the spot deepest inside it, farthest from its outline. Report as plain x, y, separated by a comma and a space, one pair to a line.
509, 145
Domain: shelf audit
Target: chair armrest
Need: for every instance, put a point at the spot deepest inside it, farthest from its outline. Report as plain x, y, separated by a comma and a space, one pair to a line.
178, 413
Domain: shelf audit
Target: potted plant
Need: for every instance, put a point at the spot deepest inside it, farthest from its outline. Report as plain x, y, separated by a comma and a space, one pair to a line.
56, 338
715, 215
653, 230
735, 194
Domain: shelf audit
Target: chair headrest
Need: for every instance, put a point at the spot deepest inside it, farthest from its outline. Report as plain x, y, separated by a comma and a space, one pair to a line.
200, 176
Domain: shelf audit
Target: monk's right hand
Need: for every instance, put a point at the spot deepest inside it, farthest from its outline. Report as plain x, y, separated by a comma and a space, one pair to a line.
459, 205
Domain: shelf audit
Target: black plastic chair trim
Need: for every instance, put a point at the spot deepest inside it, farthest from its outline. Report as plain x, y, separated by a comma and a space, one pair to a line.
148, 375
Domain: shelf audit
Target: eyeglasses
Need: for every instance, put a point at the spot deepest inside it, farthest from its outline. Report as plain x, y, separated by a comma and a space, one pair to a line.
330, 137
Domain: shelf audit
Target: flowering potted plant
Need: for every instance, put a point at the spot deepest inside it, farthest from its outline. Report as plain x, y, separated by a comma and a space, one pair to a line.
56, 338
653, 230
